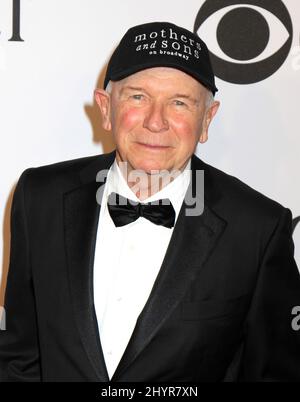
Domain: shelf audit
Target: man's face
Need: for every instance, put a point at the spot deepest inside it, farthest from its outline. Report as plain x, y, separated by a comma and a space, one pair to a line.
157, 116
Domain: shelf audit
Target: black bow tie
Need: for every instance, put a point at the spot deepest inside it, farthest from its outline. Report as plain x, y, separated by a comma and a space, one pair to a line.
124, 211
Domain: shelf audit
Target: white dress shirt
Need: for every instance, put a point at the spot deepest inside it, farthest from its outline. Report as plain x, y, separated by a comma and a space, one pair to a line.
127, 261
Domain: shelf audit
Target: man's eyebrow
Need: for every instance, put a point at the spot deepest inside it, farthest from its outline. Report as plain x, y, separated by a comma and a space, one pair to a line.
177, 95
131, 88
185, 96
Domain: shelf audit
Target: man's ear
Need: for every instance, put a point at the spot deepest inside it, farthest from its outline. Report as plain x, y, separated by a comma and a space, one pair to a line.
103, 101
208, 117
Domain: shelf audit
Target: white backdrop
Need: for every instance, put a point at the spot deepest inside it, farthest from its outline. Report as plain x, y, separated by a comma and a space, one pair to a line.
47, 112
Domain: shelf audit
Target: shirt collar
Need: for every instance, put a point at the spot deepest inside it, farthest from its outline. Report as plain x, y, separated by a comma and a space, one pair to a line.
175, 190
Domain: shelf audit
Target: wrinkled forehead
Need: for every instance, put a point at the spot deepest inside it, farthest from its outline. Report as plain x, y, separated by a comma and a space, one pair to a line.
167, 78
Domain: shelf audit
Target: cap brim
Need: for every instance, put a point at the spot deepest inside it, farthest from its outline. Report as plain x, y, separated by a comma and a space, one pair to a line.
116, 76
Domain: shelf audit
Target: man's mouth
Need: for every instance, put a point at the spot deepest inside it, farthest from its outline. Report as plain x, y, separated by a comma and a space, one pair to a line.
153, 146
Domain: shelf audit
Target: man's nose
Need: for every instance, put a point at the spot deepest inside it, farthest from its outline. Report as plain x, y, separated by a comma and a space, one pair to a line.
156, 119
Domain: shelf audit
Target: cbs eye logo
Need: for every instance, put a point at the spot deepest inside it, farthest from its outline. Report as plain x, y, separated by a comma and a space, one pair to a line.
243, 37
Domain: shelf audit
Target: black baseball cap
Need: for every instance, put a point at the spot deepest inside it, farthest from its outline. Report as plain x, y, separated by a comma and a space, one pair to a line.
161, 44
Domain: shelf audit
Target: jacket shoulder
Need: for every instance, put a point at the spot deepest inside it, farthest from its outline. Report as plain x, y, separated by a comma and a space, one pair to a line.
65, 167
240, 198
62, 175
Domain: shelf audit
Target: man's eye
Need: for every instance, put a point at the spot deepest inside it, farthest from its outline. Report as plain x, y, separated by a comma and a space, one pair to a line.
179, 103
137, 97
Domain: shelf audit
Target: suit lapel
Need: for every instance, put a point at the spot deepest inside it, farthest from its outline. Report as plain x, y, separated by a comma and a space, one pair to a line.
81, 213
193, 240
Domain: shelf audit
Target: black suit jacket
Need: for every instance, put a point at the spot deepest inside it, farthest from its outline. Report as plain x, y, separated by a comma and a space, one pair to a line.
220, 307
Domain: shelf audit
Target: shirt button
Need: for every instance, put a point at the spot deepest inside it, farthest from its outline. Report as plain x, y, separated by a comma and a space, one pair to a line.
119, 298
109, 352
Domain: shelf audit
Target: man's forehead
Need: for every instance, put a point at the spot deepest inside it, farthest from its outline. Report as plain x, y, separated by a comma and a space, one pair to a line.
172, 77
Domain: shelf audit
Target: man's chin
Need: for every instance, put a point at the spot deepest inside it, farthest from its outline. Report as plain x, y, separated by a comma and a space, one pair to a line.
152, 168
146, 164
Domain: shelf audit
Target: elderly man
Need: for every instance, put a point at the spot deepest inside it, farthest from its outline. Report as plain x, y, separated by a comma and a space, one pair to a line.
127, 266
